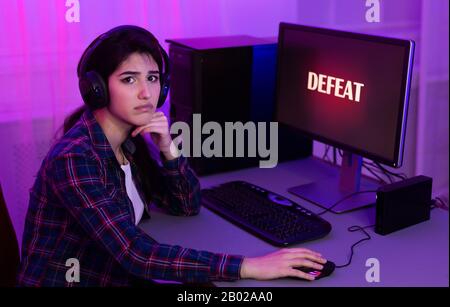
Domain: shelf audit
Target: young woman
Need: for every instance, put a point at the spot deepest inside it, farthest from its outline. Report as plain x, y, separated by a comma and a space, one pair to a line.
98, 179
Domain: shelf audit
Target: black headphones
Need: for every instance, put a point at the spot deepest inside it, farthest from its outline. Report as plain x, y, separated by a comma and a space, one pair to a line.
93, 88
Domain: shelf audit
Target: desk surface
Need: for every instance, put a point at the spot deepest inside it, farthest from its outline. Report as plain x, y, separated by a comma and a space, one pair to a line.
414, 256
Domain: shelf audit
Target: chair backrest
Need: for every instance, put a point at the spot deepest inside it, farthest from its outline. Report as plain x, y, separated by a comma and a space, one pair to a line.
9, 250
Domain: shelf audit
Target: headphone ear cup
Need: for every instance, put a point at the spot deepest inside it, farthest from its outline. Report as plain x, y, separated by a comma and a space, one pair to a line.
165, 86
93, 90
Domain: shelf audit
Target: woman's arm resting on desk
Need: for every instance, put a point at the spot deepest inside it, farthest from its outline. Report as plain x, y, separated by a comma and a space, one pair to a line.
76, 180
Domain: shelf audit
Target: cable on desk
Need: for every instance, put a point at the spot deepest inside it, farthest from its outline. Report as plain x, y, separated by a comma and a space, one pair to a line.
367, 238
398, 175
345, 198
352, 228
370, 170
369, 166
325, 154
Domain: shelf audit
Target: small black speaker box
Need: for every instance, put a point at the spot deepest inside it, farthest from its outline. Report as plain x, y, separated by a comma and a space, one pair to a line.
403, 204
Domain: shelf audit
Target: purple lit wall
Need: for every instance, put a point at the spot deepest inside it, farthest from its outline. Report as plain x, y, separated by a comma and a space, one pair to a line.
39, 51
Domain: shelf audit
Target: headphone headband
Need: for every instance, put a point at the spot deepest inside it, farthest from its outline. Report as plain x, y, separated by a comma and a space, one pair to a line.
88, 52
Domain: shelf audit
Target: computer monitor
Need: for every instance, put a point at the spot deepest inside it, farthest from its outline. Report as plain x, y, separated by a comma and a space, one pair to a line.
350, 91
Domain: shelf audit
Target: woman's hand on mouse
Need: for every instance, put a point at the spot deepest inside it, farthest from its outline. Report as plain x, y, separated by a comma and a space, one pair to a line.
159, 132
281, 264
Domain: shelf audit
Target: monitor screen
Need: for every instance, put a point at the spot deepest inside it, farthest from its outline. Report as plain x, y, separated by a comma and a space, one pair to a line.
345, 89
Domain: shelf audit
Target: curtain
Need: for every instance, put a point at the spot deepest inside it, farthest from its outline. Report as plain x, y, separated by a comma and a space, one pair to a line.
432, 125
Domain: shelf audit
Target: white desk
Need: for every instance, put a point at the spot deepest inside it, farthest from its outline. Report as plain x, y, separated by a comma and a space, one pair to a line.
414, 256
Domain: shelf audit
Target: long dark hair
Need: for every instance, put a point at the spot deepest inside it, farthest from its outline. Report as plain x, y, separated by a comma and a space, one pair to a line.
105, 59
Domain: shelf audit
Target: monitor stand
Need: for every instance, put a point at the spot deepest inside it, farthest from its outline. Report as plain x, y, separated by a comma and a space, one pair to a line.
327, 193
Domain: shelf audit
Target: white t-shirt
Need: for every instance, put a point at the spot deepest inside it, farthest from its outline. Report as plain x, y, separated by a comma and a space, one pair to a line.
133, 194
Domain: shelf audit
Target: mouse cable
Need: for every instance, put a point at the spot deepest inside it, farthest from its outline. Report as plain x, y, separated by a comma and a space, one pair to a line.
438, 202
367, 238
351, 228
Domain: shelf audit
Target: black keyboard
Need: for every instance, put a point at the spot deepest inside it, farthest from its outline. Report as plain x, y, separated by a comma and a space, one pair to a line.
265, 214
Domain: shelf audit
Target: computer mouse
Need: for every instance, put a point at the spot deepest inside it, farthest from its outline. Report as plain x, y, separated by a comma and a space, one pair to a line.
328, 268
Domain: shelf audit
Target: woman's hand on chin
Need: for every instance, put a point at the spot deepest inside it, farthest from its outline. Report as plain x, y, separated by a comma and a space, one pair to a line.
158, 127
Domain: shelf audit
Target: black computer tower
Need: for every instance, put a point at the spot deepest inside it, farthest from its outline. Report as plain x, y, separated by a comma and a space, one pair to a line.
229, 79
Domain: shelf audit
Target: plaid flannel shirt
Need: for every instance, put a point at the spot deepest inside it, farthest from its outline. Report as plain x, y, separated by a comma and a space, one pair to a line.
79, 209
